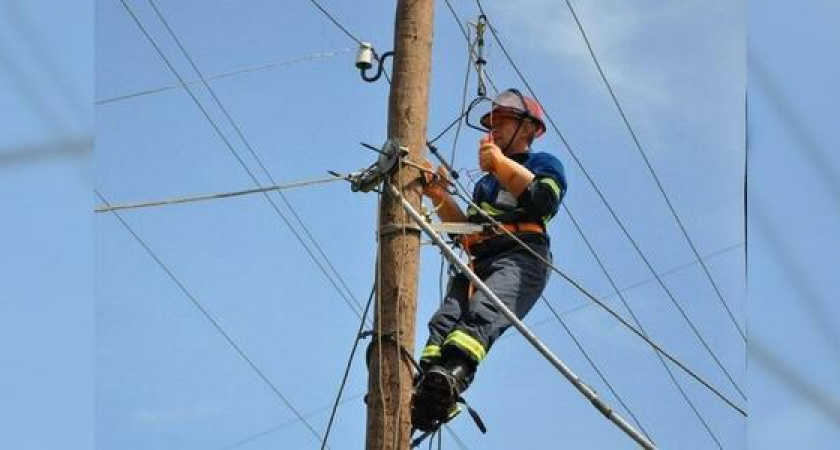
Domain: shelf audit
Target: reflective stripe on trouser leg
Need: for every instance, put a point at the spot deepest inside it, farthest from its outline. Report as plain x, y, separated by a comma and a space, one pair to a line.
467, 343
431, 351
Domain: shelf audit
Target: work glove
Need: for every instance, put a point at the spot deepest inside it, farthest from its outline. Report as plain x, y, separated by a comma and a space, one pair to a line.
435, 186
489, 155
513, 176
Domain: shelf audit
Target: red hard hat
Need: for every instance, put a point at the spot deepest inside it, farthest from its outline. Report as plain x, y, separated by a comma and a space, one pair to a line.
512, 101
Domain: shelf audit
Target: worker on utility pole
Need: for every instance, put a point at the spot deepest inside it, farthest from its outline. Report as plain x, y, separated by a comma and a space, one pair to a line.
522, 190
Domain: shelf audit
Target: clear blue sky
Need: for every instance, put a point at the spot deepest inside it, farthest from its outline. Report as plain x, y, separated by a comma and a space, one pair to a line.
165, 378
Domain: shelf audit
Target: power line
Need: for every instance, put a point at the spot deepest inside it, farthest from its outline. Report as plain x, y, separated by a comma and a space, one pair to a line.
638, 322
615, 217
653, 172
274, 65
258, 435
470, 47
239, 159
335, 22
220, 195
204, 312
254, 154
650, 279
604, 306
349, 364
595, 366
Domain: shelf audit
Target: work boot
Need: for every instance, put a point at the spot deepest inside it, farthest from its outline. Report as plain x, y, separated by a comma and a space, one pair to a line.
437, 392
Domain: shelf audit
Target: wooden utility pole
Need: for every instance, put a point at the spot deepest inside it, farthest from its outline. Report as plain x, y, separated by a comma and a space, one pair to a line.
390, 373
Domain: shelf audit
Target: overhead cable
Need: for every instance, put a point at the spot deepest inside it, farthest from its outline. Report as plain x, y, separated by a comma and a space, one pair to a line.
618, 221
262, 67
652, 172
220, 195
355, 308
206, 314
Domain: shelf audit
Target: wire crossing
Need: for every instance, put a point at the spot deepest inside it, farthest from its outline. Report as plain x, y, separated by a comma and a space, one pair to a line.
585, 390
638, 323
652, 172
615, 217
215, 323
460, 193
239, 159
256, 156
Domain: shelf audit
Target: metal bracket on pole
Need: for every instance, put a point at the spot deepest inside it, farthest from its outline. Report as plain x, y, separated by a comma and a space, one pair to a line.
371, 177
520, 326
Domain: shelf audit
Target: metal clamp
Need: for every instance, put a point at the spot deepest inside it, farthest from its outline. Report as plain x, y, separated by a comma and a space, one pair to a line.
394, 228
389, 156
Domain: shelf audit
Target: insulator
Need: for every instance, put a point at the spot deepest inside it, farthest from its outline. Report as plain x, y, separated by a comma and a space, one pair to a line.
364, 59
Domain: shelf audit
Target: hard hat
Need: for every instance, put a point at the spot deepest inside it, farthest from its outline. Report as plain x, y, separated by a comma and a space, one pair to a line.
512, 101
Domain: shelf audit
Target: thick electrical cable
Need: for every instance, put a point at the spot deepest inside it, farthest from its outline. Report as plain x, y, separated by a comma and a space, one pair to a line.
652, 172
356, 309
615, 217
206, 314
216, 196
349, 365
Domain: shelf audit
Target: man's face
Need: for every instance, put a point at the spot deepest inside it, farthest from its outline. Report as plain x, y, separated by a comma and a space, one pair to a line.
503, 127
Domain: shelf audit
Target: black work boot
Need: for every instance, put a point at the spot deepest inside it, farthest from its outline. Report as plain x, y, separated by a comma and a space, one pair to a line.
436, 395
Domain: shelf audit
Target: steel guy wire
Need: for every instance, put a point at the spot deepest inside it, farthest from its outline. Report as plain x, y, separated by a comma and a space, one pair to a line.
615, 216
216, 196
641, 328
595, 366
233, 151
604, 306
652, 172
262, 67
204, 312
256, 156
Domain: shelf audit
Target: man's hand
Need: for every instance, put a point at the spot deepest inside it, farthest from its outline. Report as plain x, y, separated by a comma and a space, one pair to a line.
489, 155
435, 185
